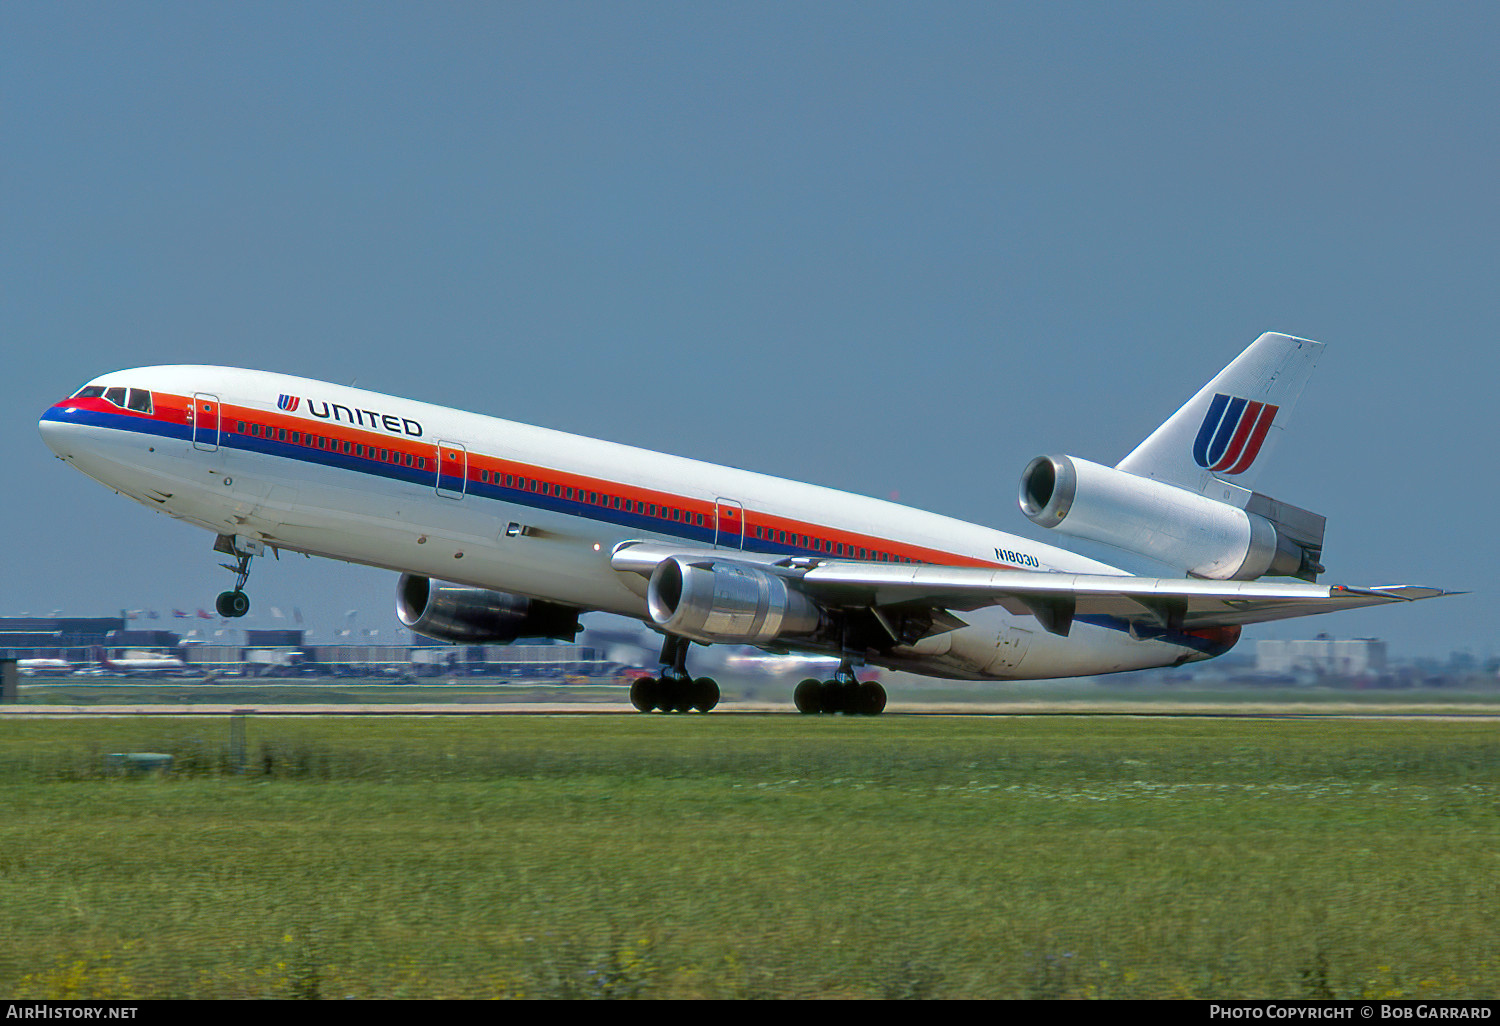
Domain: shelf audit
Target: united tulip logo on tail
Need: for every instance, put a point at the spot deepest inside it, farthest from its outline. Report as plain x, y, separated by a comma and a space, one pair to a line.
288, 402
1232, 433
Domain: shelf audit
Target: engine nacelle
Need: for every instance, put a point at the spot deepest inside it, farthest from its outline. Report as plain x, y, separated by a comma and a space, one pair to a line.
1172, 525
727, 603
476, 616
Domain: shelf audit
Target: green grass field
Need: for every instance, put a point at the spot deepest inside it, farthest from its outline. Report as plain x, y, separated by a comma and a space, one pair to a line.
773, 856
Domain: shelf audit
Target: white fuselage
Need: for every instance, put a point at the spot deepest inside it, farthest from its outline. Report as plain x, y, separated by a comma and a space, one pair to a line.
368, 478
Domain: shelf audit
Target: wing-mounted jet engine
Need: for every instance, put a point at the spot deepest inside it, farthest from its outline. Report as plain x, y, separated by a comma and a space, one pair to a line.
727, 602
477, 616
1202, 536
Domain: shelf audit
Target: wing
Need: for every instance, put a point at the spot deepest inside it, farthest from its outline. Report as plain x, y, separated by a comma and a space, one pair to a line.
1054, 599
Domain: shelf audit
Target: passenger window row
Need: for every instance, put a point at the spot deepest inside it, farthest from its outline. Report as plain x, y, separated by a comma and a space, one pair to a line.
552, 488
544, 487
395, 457
832, 547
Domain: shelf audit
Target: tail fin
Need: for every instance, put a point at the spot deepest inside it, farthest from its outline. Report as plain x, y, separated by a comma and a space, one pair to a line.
1225, 431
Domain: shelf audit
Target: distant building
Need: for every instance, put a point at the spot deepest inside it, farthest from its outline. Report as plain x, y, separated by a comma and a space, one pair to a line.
74, 638
92, 644
276, 638
1322, 656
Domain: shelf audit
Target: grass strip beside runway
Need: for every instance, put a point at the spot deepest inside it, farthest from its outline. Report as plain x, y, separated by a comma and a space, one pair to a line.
751, 856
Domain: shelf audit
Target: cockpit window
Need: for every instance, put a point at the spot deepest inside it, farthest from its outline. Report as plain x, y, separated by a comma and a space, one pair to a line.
137, 399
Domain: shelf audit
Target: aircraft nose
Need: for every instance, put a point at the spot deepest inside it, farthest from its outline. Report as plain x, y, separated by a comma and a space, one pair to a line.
54, 427
50, 433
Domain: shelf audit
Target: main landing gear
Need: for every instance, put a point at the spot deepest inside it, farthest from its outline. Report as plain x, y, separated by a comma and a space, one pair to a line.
842, 693
234, 604
675, 690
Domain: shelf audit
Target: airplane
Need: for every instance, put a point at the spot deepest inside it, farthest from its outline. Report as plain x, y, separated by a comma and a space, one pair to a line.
502, 531
133, 663
46, 667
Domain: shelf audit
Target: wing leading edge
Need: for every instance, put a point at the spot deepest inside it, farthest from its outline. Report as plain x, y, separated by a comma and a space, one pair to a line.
1054, 599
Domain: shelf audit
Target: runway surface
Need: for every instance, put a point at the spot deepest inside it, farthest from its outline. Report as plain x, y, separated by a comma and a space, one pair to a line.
1224, 710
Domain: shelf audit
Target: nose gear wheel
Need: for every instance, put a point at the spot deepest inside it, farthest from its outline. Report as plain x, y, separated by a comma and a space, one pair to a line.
234, 604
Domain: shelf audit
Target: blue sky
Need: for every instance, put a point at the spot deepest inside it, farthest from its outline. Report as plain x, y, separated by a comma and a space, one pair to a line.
892, 248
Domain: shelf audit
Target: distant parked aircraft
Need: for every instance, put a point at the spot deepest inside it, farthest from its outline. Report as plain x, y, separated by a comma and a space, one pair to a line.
142, 663
46, 667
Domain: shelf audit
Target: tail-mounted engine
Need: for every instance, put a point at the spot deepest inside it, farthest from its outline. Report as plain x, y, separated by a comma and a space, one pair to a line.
1172, 525
476, 616
727, 603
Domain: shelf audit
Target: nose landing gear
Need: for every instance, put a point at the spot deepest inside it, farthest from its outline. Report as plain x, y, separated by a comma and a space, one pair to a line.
235, 603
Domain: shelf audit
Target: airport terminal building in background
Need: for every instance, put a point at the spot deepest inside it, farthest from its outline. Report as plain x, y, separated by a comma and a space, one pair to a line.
1322, 656
85, 644
91, 642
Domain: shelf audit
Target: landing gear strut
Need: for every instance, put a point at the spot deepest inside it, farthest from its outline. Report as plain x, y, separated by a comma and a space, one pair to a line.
842, 693
234, 604
675, 690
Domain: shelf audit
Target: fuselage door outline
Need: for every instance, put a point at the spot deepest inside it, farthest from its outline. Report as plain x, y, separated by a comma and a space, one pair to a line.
452, 470
205, 417
729, 524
